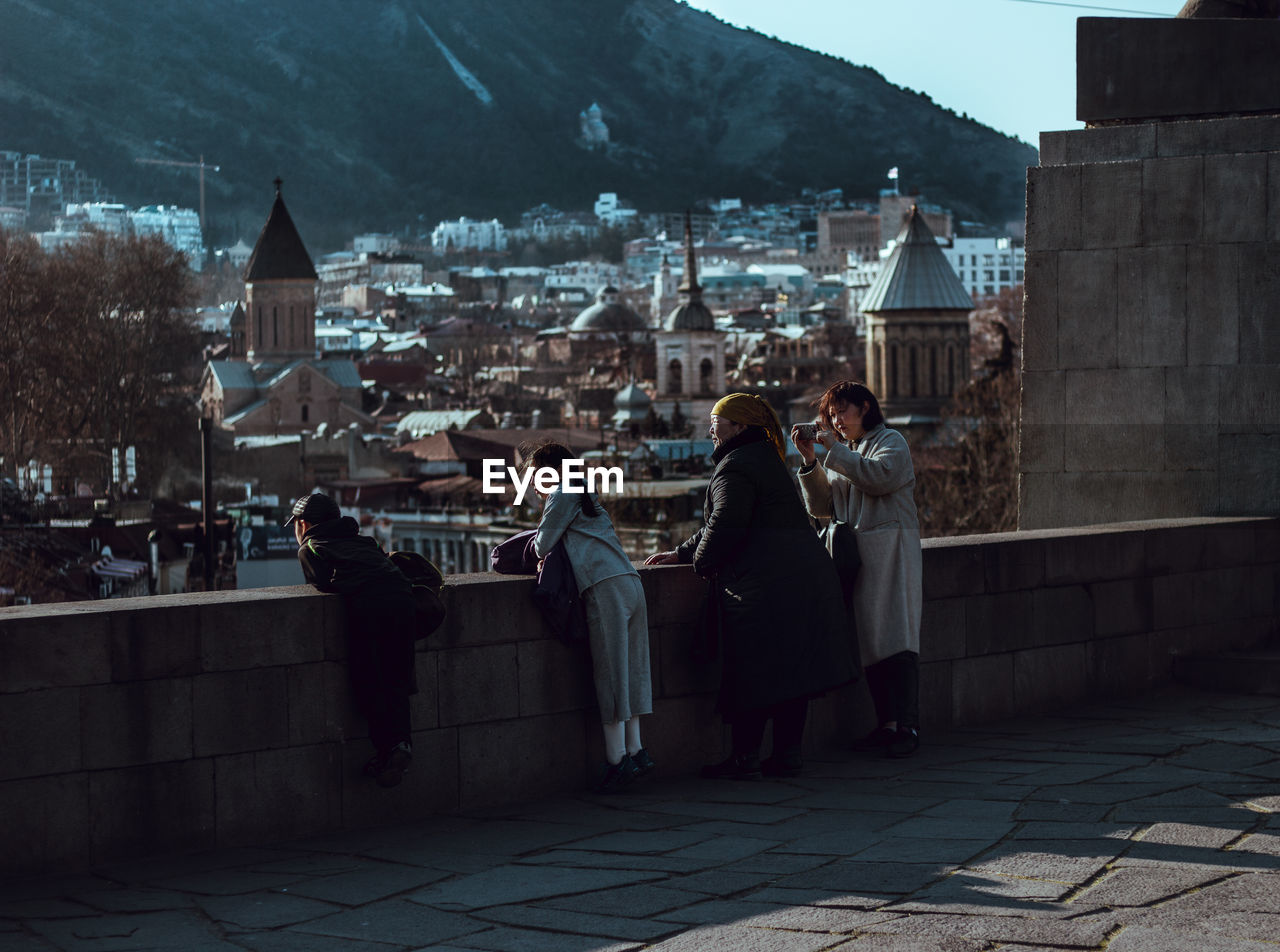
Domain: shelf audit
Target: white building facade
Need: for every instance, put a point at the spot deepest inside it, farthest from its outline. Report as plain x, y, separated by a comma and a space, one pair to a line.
468, 235
986, 266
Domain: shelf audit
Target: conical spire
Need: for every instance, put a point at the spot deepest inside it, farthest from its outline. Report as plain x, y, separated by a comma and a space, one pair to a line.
689, 280
916, 276
279, 254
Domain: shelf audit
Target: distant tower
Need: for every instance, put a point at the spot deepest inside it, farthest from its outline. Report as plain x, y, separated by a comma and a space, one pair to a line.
917, 328
664, 292
690, 351
280, 292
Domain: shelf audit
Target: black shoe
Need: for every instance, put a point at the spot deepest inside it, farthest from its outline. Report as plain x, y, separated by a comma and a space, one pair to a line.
906, 741
876, 742
644, 763
781, 766
617, 777
734, 767
389, 768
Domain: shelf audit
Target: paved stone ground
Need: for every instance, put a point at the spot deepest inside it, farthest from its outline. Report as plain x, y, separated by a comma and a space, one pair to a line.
1149, 825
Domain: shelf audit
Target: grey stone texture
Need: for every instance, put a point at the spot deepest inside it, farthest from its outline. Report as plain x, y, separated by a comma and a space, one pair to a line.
1047, 832
1153, 246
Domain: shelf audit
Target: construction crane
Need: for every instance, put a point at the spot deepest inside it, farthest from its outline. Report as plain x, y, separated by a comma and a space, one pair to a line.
201, 165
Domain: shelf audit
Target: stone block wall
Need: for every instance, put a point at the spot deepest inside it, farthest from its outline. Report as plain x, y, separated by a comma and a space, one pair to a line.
1151, 338
142, 726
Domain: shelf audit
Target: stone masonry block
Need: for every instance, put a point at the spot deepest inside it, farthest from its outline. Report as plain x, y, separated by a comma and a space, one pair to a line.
280, 631
1249, 398
1094, 556
937, 703
478, 684
1053, 148
320, 704
140, 722
1116, 447
1190, 447
1040, 317
425, 705
1235, 195
504, 612
1096, 498
54, 831
1229, 544
1204, 597
1119, 666
997, 623
1213, 304
1014, 564
537, 755
1175, 549
1110, 144
1265, 591
952, 568
271, 795
554, 677
1122, 607
1266, 540
1249, 473
675, 650
1053, 208
161, 642
1044, 398
1042, 447
981, 689
1087, 298
1191, 395
673, 594
44, 648
1111, 195
1218, 136
430, 786
40, 733
1050, 679
1061, 615
1273, 196
1172, 200
1118, 396
1151, 324
236, 711
160, 808
942, 629
1259, 303
1038, 504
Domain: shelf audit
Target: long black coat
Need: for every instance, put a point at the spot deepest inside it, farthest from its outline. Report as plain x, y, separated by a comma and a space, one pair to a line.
784, 633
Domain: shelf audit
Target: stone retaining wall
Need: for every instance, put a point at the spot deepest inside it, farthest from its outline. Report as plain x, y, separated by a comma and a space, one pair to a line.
140, 726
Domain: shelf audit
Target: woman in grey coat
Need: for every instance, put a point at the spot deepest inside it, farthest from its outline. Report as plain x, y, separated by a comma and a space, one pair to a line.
617, 618
867, 481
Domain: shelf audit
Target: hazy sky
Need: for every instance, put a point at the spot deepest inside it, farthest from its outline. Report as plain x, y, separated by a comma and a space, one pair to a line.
1009, 64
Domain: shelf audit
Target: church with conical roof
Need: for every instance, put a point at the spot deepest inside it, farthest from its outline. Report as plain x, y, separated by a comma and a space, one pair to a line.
917, 328
274, 384
689, 349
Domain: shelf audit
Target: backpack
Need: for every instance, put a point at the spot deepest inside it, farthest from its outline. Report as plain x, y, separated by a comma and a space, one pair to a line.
425, 582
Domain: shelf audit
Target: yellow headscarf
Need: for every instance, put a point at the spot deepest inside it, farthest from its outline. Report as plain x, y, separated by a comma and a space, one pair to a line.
747, 409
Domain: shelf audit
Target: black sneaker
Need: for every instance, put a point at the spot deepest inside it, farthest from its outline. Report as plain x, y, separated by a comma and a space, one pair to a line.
876, 742
905, 742
644, 763
617, 777
734, 767
389, 769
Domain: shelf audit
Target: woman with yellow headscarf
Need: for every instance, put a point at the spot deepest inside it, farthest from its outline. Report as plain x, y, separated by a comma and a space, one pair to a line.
759, 551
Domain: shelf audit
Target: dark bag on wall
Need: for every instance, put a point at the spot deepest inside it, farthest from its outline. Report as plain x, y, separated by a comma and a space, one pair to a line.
842, 546
425, 582
515, 556
557, 595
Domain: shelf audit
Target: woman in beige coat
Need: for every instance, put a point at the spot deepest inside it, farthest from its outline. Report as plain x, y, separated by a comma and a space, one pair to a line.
866, 480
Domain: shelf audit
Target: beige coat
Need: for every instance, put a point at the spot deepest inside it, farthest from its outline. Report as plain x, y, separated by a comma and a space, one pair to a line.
870, 487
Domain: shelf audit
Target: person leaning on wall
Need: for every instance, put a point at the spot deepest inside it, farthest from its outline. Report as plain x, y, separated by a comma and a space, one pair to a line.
782, 628
866, 480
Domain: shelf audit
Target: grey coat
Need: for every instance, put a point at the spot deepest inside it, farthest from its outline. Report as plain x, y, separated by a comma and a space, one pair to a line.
870, 486
590, 541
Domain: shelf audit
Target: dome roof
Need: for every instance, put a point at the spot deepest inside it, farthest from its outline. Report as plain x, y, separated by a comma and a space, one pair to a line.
690, 315
607, 314
632, 397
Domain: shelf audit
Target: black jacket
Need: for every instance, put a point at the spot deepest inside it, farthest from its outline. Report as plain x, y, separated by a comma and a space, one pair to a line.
335, 557
784, 633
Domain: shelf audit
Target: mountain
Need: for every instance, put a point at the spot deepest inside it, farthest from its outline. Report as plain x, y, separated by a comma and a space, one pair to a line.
382, 114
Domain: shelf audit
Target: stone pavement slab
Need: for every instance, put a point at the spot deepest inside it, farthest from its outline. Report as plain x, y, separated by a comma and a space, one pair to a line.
1149, 825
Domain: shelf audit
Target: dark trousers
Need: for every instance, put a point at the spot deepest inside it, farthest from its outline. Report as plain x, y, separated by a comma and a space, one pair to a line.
380, 659
788, 729
894, 684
